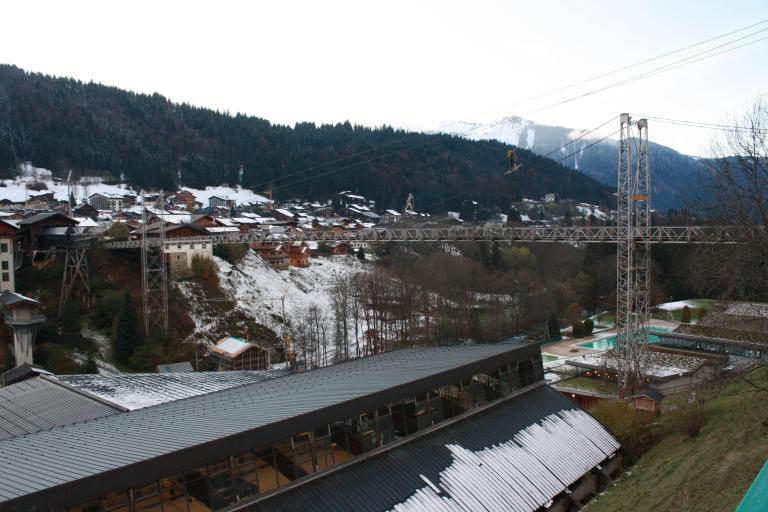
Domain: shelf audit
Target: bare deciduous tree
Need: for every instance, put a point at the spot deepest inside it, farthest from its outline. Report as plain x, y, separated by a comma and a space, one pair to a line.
738, 197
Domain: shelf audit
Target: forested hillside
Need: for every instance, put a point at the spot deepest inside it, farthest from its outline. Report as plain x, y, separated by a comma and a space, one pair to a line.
64, 124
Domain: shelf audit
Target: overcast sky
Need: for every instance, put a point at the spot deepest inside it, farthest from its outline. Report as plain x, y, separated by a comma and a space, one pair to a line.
405, 63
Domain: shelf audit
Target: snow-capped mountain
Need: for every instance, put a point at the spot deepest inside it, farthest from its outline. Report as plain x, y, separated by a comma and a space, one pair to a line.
675, 177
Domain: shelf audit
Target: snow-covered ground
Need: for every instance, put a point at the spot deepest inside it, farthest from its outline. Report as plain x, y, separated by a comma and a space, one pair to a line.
258, 290
16, 189
680, 304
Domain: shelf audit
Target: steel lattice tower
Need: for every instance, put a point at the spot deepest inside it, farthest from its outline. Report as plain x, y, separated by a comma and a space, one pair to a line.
75, 269
154, 285
633, 253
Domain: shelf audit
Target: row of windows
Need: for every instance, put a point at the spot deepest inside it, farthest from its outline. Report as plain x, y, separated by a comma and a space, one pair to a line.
262, 469
192, 246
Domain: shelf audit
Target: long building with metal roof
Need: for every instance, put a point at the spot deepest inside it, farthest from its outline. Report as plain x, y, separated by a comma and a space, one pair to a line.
139, 390
43, 403
218, 450
519, 454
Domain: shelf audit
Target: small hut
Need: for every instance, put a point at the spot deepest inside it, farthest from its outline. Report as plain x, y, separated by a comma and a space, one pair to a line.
239, 354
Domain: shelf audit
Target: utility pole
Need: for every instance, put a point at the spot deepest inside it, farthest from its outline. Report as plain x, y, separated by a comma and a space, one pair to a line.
633, 216
154, 284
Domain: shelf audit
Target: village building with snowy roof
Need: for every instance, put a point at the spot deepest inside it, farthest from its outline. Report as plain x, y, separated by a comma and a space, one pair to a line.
233, 353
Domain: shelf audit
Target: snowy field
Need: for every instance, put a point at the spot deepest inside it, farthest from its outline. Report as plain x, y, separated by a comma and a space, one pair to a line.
258, 289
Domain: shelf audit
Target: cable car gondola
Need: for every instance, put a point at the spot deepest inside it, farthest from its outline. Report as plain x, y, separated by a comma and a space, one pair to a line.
514, 166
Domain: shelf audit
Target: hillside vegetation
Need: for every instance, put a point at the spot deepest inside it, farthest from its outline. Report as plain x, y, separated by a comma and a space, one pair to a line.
709, 472
62, 124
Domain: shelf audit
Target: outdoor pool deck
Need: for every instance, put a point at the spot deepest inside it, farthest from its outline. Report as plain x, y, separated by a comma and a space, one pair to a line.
572, 347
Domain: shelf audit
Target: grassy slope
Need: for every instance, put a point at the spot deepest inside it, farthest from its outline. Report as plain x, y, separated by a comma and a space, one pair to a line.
708, 473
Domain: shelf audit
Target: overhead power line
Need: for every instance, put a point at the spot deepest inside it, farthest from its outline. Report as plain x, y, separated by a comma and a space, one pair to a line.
661, 69
707, 126
587, 146
579, 137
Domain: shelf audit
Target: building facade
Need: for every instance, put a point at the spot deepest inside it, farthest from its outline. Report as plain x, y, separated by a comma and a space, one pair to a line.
8, 231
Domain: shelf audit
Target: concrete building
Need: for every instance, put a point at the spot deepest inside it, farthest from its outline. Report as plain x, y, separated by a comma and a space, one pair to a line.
107, 201
8, 230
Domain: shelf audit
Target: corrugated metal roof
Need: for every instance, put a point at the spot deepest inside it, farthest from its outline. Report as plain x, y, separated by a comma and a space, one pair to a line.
139, 390
516, 455
39, 404
48, 459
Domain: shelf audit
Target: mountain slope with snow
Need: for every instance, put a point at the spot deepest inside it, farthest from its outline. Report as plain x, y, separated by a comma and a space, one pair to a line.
675, 178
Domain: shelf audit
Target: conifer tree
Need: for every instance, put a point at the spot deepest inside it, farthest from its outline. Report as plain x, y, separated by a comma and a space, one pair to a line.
553, 324
126, 337
90, 365
70, 322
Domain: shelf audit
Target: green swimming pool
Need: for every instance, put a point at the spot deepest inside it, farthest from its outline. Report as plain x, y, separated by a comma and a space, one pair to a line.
609, 342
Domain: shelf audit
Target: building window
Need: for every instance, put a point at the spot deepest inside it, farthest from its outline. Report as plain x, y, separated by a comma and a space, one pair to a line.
5, 265
6, 277
4, 247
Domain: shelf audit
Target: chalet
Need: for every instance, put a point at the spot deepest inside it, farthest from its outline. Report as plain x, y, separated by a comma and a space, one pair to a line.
86, 210
339, 247
40, 201
233, 353
184, 198
299, 254
349, 198
8, 230
283, 215
32, 229
245, 223
390, 217
107, 201
274, 253
322, 210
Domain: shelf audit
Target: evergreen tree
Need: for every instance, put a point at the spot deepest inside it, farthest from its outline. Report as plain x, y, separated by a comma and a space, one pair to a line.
496, 259
578, 329
361, 254
7, 361
589, 326
70, 321
126, 337
686, 315
553, 324
513, 216
90, 365
72, 202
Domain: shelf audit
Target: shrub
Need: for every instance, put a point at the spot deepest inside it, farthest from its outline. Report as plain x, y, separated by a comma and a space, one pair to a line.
633, 428
589, 326
232, 253
119, 231
578, 329
204, 270
685, 316
702, 313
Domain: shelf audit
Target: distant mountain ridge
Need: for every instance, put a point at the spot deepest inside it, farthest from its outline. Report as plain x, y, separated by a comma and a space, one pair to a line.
63, 124
675, 177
